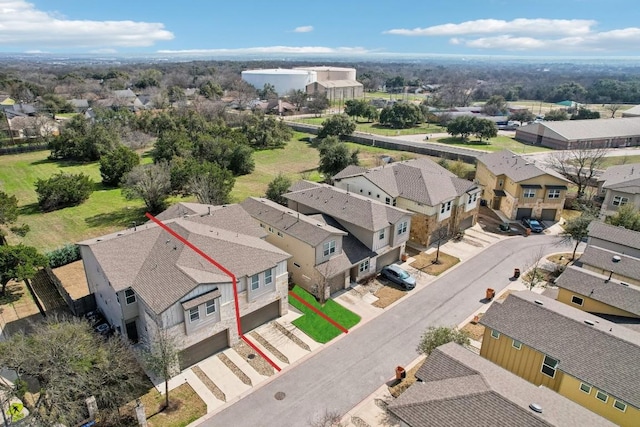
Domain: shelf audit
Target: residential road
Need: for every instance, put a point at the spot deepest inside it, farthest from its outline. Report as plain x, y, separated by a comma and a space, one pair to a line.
342, 374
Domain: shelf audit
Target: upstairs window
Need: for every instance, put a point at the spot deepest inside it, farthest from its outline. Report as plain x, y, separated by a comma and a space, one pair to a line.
549, 365
210, 307
529, 193
402, 227
554, 194
129, 296
268, 277
620, 201
194, 314
446, 207
381, 235
329, 248
255, 282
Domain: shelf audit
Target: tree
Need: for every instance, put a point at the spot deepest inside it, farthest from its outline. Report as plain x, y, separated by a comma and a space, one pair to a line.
401, 115
434, 337
161, 357
211, 90
114, 165
151, 183
277, 187
266, 132
627, 216
298, 98
55, 104
210, 183
461, 126
19, 263
63, 190
335, 156
71, 363
484, 129
339, 125
576, 229
268, 91
585, 114
613, 108
522, 116
495, 106
556, 116
8, 213
84, 141
318, 103
579, 166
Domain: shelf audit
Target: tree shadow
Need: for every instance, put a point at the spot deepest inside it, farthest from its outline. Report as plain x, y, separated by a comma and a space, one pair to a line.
12, 294
30, 209
62, 163
123, 217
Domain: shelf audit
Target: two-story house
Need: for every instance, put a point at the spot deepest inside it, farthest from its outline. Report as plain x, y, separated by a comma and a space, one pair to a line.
619, 186
457, 387
521, 188
145, 279
582, 357
382, 229
438, 199
614, 238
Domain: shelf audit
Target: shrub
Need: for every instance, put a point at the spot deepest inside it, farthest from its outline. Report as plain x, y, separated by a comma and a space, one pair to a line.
65, 255
63, 190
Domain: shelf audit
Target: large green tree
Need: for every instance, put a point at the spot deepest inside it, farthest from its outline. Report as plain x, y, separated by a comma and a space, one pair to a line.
576, 229
19, 263
277, 187
210, 183
82, 140
266, 132
401, 115
114, 165
335, 156
556, 115
8, 213
339, 125
63, 190
627, 216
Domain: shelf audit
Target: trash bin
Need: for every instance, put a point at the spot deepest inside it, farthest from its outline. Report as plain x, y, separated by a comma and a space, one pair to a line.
527, 232
490, 293
400, 373
516, 272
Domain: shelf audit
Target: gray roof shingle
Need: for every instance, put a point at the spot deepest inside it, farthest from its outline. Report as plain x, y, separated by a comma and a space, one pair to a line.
615, 234
591, 129
628, 266
600, 353
508, 163
622, 177
460, 388
587, 283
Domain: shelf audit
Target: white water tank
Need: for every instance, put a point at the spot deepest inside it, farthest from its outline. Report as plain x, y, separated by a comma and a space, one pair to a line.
331, 73
283, 80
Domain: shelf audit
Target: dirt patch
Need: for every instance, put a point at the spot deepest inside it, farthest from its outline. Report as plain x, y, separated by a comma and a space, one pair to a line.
213, 388
253, 359
425, 263
563, 258
475, 330
387, 295
73, 278
399, 386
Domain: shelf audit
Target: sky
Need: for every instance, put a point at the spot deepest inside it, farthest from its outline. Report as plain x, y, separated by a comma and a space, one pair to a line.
349, 28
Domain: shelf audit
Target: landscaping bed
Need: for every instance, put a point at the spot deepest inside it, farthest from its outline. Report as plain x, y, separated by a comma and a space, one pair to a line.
425, 263
387, 295
185, 406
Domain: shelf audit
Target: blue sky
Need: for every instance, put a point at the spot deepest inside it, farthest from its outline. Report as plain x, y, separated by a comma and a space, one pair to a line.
352, 28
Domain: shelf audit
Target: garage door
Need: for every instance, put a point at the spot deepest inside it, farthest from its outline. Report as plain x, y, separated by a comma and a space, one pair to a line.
388, 258
548, 214
466, 223
206, 348
523, 213
260, 316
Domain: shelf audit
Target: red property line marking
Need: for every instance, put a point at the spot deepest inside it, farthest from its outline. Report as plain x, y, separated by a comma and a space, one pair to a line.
225, 271
318, 312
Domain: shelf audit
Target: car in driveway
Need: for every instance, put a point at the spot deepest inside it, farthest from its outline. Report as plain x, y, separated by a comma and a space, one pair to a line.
398, 276
533, 224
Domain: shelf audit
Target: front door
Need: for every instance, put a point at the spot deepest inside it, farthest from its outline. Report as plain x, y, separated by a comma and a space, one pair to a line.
132, 332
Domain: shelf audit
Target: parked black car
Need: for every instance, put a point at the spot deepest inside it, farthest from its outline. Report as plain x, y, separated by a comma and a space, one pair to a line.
533, 224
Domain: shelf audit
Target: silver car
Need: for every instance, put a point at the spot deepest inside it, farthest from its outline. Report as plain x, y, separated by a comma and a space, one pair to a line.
398, 276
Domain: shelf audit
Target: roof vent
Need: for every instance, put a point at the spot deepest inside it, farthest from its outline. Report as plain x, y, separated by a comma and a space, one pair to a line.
535, 408
539, 302
589, 322
616, 258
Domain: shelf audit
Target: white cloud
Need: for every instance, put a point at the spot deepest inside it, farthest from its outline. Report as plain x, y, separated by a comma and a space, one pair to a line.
558, 35
21, 24
303, 29
545, 27
273, 50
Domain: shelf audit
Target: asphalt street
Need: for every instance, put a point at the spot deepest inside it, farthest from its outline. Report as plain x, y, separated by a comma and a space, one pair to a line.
342, 374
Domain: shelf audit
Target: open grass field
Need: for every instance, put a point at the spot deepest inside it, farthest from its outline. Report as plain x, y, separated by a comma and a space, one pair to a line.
619, 160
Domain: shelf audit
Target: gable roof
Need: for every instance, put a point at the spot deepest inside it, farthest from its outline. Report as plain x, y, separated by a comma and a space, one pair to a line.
622, 177
615, 234
348, 207
289, 221
596, 287
589, 129
421, 180
162, 270
517, 168
632, 112
628, 266
599, 353
461, 388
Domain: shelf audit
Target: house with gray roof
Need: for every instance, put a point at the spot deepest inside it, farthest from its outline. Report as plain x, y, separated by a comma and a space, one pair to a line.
144, 279
632, 112
619, 186
521, 188
456, 387
382, 229
614, 238
442, 203
580, 134
624, 268
582, 357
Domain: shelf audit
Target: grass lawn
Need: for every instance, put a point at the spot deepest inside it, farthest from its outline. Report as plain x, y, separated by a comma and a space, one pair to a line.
498, 143
619, 160
317, 327
185, 406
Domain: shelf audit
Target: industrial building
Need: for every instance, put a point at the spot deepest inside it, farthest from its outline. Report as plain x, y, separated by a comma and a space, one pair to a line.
283, 80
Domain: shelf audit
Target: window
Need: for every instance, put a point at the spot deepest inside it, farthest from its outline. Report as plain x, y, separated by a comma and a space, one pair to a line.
364, 266
381, 235
268, 277
446, 207
517, 344
329, 248
500, 183
210, 307
402, 227
130, 296
601, 395
255, 282
280, 234
553, 194
549, 365
620, 405
270, 229
387, 200
495, 334
620, 201
473, 197
576, 300
529, 193
586, 388
194, 314
262, 225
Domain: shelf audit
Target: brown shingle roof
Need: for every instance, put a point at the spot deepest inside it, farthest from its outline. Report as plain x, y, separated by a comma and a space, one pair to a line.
615, 234
600, 353
594, 286
460, 388
508, 163
628, 266
348, 207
